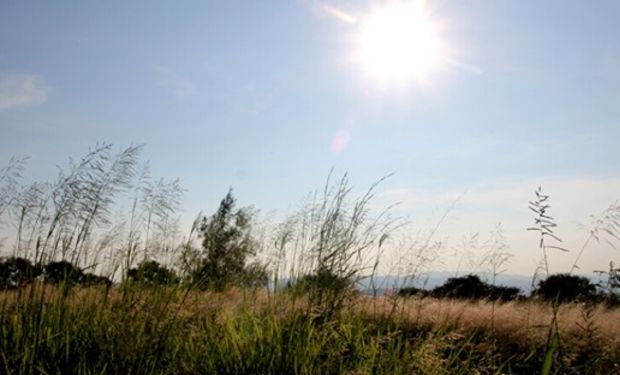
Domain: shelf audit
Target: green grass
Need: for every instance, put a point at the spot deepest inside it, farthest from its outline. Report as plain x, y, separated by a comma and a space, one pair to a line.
165, 331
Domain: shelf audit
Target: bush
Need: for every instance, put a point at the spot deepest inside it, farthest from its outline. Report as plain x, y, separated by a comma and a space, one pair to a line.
152, 273
17, 272
323, 280
62, 272
503, 293
412, 291
66, 272
90, 279
471, 287
566, 288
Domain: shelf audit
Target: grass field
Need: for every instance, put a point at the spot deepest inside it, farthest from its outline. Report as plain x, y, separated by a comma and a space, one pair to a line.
169, 331
205, 309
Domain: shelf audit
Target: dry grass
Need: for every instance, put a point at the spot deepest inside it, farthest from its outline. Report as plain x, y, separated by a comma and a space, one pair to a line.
514, 319
436, 335
524, 319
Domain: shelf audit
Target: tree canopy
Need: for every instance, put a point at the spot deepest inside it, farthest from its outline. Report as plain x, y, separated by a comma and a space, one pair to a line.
227, 244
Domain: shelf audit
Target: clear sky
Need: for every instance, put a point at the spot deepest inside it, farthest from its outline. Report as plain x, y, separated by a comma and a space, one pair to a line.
267, 96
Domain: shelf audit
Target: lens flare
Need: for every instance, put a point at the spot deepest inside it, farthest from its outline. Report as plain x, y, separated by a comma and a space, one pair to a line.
340, 141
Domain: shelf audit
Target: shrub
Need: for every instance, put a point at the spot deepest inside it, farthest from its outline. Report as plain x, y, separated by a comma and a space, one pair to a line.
503, 293
471, 287
66, 272
565, 288
152, 273
16, 272
62, 272
90, 279
412, 291
322, 280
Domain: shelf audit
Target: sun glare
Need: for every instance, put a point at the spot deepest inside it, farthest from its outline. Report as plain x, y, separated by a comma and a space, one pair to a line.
398, 43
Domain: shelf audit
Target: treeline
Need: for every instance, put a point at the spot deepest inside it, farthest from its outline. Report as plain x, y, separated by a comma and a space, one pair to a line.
222, 261
559, 288
105, 219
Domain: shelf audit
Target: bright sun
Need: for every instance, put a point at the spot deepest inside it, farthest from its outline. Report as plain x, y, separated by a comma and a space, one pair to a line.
398, 43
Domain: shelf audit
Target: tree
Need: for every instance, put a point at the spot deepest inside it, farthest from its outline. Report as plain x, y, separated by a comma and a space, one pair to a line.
504, 293
152, 273
227, 243
67, 273
565, 288
62, 272
469, 286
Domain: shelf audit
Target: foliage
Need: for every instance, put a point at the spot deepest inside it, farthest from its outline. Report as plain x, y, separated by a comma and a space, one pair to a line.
503, 293
335, 241
152, 273
470, 287
410, 291
94, 331
17, 272
255, 275
327, 247
227, 243
323, 280
545, 225
62, 272
565, 288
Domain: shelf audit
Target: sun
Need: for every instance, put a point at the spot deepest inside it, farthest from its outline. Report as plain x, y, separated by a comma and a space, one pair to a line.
398, 43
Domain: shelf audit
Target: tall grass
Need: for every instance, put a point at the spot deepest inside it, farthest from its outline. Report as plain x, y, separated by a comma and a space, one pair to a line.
164, 331
315, 323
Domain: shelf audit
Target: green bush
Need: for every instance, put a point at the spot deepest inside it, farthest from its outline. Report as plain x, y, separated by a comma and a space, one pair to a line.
152, 273
322, 280
469, 287
565, 288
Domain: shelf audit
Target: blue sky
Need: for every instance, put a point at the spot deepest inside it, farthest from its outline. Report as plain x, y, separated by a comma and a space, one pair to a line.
254, 94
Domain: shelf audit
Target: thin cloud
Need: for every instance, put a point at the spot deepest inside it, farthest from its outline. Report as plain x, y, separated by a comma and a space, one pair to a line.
18, 91
179, 86
575, 193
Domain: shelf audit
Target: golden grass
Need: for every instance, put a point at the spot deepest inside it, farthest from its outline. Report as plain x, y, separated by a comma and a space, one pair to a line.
517, 317
520, 321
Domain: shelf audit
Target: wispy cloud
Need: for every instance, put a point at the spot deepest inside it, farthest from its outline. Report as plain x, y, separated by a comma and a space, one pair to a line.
19, 90
180, 87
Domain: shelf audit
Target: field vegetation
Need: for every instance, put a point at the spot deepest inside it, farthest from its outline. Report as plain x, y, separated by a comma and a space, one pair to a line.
88, 287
